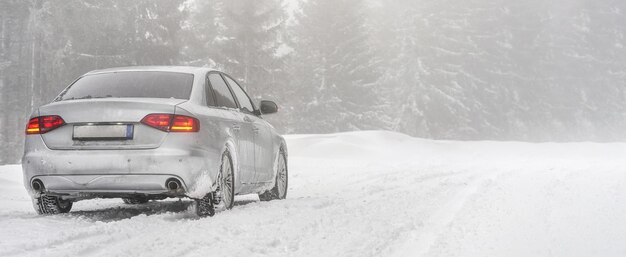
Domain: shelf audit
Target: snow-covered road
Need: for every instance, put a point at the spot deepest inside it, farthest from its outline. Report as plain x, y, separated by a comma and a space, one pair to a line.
365, 194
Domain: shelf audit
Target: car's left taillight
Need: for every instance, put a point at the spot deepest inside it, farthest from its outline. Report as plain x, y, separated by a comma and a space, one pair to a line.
44, 124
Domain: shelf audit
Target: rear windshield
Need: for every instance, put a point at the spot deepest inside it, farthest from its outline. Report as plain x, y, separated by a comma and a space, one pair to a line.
145, 84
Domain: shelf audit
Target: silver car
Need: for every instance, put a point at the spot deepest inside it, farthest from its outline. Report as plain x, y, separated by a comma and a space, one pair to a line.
150, 133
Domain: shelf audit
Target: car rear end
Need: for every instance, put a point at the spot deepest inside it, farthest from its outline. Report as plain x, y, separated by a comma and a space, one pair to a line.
117, 134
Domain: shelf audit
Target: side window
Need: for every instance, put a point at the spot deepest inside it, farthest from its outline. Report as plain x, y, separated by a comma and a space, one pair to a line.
223, 97
243, 99
210, 100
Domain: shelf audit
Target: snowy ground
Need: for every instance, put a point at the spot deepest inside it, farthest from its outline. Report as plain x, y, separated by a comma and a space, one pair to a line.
365, 194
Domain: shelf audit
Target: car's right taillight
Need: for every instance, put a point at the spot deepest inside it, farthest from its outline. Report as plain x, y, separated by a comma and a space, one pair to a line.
172, 123
44, 124
182, 123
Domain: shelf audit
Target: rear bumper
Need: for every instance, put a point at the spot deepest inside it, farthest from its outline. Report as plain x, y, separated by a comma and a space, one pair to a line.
116, 172
84, 185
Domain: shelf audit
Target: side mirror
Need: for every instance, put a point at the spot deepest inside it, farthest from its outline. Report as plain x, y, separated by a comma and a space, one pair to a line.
268, 107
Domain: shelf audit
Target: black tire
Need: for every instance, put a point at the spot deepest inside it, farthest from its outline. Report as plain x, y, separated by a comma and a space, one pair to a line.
225, 192
205, 206
47, 204
135, 200
279, 191
226, 182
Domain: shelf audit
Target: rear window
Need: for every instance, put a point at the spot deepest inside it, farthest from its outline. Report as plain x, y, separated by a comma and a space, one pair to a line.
144, 84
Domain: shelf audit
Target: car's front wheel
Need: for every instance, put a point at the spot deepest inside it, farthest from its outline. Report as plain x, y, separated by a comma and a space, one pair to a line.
224, 195
47, 204
279, 191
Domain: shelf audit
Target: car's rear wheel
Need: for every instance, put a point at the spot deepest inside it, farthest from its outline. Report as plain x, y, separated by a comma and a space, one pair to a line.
224, 195
205, 206
47, 204
279, 191
135, 200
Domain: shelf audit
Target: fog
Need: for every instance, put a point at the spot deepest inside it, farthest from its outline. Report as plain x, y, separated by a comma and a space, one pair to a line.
529, 70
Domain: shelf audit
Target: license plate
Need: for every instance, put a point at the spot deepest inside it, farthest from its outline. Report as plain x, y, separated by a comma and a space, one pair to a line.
103, 132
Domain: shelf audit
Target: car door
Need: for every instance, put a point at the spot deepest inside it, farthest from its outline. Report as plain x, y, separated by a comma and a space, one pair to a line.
242, 130
263, 151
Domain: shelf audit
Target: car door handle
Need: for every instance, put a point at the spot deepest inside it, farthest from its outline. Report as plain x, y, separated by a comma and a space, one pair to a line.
236, 127
256, 130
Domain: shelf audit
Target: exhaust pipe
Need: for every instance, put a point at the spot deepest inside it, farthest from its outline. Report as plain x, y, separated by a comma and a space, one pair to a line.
173, 184
37, 185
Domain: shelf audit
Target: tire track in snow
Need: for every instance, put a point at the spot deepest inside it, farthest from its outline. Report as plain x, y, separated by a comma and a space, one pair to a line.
99, 236
59, 244
420, 242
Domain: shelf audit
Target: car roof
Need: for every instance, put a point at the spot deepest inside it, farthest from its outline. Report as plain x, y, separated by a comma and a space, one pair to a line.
180, 69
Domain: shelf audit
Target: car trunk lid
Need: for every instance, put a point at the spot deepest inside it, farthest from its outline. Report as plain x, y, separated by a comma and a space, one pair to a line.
107, 123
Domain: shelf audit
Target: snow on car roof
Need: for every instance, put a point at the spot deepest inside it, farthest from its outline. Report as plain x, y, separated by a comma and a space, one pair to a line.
182, 69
